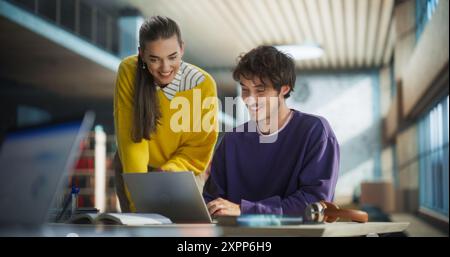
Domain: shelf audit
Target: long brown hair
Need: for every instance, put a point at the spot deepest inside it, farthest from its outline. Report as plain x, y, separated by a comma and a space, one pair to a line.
147, 111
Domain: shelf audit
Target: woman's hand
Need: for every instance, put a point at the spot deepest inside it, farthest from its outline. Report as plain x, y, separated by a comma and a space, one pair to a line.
222, 207
152, 169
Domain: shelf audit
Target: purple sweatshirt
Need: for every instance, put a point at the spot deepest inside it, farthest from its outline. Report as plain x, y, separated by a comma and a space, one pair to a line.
299, 168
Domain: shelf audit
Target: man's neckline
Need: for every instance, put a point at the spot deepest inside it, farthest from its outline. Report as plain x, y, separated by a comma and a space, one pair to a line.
291, 114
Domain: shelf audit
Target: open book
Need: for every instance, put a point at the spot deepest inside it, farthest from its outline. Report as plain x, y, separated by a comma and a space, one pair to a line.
135, 219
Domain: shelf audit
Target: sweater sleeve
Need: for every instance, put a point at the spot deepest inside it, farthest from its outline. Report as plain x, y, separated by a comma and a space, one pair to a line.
216, 184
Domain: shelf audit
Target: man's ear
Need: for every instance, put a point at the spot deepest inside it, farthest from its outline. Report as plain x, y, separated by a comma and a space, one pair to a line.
285, 89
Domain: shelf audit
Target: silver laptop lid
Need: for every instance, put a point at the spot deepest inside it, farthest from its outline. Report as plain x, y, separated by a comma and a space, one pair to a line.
172, 194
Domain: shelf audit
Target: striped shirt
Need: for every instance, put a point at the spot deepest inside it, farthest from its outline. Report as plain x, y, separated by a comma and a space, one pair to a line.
186, 78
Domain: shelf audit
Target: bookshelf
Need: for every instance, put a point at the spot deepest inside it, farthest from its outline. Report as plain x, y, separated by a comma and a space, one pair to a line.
94, 174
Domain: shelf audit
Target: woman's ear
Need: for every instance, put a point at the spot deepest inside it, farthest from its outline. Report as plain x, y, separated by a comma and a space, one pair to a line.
141, 53
182, 49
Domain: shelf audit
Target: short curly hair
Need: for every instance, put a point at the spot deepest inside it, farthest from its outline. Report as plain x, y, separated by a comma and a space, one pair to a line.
267, 63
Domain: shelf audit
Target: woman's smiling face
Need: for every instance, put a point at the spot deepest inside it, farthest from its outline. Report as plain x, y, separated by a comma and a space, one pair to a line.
163, 58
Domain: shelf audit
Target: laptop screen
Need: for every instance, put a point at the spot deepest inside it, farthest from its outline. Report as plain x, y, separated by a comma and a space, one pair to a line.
33, 163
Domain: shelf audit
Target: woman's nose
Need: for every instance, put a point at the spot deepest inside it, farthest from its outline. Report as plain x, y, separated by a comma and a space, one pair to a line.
165, 66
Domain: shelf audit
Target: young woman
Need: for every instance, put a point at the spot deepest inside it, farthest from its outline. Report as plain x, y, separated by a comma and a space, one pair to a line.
147, 96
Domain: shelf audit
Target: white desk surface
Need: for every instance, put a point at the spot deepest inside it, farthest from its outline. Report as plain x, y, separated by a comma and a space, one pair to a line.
338, 229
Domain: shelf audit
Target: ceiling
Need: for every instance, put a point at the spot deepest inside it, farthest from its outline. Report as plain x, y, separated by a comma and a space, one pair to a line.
31, 59
353, 33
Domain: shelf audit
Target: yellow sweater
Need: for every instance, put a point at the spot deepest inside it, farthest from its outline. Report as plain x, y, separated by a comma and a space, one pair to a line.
167, 149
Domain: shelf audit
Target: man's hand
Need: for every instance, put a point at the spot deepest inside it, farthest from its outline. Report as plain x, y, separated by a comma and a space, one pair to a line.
222, 207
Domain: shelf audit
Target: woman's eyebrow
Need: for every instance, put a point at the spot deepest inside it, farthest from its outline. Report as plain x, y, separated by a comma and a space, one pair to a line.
170, 55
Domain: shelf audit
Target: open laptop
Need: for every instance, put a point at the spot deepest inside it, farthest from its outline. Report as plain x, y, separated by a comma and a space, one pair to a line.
171, 194
34, 163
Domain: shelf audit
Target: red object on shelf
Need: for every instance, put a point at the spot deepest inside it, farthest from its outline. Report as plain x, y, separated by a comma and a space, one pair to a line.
85, 163
81, 202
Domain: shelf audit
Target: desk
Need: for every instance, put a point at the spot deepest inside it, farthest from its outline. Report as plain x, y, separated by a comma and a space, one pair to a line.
337, 229
169, 230
210, 230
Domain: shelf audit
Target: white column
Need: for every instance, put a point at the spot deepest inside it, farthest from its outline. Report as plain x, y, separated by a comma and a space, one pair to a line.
100, 168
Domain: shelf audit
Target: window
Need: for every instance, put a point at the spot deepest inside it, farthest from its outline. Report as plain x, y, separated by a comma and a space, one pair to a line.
393, 85
433, 158
424, 11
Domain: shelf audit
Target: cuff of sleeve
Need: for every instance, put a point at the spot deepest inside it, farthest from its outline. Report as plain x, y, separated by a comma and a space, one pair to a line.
169, 166
174, 166
271, 205
247, 207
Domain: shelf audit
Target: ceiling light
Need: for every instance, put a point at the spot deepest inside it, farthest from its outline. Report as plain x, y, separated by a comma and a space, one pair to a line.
302, 52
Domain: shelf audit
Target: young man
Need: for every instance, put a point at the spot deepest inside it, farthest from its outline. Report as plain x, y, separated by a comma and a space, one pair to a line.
285, 164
